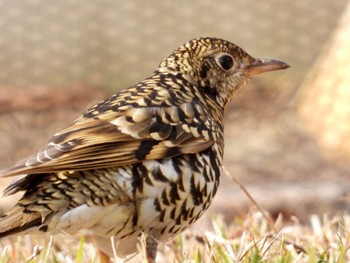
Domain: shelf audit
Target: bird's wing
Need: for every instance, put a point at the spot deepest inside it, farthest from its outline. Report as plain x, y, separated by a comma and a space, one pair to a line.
122, 138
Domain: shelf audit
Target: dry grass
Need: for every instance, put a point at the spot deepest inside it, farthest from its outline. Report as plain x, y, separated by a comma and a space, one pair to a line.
252, 240
245, 240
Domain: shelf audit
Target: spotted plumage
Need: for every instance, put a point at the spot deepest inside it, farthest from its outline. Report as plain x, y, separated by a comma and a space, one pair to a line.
146, 160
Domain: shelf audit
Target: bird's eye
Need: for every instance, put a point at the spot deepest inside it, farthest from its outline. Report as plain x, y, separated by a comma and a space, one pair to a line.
225, 62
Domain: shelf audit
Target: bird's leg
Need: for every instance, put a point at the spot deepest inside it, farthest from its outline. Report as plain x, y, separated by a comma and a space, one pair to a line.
151, 249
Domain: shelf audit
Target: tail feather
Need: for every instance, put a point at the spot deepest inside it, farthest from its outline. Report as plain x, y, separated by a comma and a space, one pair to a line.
16, 221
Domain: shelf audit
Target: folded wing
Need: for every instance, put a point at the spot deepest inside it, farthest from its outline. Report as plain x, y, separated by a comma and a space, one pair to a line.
122, 138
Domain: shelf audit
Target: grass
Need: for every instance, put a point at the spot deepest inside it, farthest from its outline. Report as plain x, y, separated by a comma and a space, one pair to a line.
245, 240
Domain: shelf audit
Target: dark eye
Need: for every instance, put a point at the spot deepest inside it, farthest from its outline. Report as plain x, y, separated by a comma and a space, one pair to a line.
226, 62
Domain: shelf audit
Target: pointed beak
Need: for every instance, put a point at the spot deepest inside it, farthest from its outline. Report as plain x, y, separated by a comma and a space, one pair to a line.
261, 65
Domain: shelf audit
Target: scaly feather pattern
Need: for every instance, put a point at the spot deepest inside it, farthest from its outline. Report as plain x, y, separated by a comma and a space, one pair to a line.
146, 160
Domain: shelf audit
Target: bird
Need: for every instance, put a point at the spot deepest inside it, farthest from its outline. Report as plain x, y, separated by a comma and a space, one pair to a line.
145, 161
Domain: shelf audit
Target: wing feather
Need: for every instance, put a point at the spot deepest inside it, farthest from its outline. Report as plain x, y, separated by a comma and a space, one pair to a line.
123, 138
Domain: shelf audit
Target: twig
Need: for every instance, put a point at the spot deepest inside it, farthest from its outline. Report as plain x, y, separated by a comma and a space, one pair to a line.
268, 218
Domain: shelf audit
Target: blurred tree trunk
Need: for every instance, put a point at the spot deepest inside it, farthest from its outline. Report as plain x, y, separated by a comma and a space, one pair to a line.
324, 99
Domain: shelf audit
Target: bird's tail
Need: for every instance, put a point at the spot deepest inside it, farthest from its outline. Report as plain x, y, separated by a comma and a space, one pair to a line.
17, 221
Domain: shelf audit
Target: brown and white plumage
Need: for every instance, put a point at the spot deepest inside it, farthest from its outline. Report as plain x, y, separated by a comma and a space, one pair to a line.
146, 160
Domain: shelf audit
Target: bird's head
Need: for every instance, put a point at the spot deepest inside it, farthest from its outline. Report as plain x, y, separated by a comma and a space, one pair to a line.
218, 67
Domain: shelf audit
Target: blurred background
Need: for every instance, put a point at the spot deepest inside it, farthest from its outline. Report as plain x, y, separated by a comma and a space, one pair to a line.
287, 133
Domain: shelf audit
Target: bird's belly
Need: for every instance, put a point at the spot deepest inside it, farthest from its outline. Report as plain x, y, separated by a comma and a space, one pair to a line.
175, 193
161, 199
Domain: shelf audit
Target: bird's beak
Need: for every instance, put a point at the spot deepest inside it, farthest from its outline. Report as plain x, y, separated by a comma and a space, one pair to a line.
261, 65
